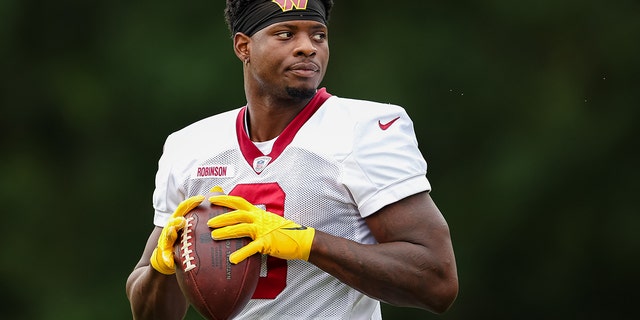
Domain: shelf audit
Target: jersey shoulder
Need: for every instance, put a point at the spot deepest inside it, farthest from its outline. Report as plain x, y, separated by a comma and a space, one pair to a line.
216, 132
363, 109
364, 114
210, 129
214, 123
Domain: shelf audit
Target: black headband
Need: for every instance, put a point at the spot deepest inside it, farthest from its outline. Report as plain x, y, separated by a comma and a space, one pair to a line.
260, 14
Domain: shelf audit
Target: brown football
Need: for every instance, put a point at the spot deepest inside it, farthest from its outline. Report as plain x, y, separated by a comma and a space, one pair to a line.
215, 287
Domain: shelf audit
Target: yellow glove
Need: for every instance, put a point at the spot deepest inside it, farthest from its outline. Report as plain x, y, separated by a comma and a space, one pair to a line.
162, 256
271, 233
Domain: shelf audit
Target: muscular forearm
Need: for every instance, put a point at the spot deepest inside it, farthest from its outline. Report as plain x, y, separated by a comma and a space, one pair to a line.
155, 296
398, 273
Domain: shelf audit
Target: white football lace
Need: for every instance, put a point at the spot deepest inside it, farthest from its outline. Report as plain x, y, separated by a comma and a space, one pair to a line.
186, 246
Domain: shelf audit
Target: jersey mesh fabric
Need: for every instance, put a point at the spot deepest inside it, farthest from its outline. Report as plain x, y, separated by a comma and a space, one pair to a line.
321, 180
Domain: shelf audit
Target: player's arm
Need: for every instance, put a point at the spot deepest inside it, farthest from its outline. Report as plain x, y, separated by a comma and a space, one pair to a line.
154, 295
413, 264
152, 287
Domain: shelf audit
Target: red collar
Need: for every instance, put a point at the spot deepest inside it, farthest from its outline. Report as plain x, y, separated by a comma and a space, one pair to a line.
251, 152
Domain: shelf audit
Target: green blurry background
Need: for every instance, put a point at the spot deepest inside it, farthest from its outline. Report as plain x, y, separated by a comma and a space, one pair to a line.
527, 113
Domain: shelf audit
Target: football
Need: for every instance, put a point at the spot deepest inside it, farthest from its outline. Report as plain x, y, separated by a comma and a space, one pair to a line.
215, 287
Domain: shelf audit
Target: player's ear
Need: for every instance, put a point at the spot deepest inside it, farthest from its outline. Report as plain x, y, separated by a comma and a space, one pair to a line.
241, 46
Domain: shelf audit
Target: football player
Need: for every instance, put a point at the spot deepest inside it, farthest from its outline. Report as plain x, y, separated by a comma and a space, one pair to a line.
332, 190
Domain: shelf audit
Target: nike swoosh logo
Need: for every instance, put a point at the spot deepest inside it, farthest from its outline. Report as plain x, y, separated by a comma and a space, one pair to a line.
297, 228
385, 126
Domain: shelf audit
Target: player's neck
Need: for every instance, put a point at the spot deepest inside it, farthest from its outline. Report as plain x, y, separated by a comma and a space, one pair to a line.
264, 123
269, 114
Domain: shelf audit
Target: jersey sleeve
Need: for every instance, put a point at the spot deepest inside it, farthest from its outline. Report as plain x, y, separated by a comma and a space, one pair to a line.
184, 149
385, 165
167, 194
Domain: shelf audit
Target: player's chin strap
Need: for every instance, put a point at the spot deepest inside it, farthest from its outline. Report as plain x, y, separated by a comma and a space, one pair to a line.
271, 233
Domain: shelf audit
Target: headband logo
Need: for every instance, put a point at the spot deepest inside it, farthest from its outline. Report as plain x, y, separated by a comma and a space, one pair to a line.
288, 5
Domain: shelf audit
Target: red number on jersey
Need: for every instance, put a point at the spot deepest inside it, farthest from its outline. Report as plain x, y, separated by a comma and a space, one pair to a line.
272, 197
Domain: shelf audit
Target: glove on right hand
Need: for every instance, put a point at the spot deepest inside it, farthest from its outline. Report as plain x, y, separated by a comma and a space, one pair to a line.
162, 256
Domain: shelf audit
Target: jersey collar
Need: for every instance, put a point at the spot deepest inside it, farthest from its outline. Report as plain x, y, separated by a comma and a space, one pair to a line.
251, 153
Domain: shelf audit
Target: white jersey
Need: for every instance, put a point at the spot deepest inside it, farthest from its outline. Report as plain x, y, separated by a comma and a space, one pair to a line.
339, 161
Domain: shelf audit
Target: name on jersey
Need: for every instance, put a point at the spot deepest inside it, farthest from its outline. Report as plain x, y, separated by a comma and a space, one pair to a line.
213, 171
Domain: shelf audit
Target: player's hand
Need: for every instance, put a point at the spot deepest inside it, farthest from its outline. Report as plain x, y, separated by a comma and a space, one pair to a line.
271, 233
162, 256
